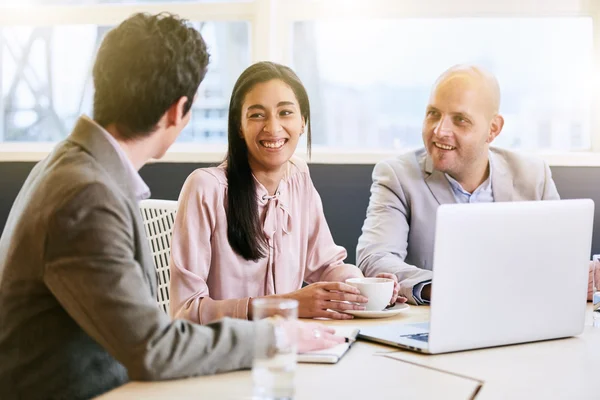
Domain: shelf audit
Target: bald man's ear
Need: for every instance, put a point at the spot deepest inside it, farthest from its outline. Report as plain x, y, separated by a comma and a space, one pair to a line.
495, 128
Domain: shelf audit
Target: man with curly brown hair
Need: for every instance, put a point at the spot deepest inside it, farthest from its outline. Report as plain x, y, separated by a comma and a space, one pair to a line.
78, 309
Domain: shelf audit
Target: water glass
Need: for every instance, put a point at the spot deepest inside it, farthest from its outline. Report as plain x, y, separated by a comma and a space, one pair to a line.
596, 288
273, 371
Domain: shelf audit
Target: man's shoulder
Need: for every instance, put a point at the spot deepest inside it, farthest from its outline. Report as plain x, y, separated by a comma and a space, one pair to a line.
62, 189
530, 176
517, 162
71, 175
408, 165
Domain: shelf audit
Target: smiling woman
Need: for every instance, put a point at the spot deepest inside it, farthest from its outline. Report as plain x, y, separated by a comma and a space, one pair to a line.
264, 87
258, 218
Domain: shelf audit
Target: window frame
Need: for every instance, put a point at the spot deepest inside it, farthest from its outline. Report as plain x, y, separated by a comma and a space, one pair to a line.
271, 23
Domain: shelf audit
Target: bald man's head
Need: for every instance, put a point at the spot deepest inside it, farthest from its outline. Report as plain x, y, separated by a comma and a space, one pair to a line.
461, 121
476, 78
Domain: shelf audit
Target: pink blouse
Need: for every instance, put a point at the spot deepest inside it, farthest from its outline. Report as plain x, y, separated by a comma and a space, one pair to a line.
210, 281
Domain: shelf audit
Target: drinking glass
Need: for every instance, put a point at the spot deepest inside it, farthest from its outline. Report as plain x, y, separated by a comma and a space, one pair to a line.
273, 370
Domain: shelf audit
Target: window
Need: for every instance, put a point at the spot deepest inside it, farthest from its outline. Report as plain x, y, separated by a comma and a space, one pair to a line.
368, 66
46, 79
370, 79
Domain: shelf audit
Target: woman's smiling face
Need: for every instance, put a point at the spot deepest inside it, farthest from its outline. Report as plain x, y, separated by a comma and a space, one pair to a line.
271, 124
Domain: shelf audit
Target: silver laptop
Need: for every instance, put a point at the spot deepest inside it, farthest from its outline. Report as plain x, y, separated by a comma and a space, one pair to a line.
503, 273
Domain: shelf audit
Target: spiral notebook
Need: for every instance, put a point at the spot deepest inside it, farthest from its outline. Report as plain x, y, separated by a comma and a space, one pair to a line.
333, 354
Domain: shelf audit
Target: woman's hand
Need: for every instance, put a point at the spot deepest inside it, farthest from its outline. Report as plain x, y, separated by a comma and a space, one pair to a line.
395, 299
327, 300
311, 336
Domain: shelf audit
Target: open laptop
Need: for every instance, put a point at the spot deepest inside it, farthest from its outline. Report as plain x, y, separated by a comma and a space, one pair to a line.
503, 273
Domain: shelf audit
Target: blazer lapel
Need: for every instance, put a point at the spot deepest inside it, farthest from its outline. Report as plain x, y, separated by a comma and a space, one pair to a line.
502, 181
437, 183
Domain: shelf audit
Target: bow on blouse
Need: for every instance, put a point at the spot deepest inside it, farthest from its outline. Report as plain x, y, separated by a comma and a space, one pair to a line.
277, 219
277, 222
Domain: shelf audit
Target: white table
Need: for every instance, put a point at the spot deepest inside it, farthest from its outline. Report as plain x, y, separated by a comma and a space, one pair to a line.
555, 369
558, 369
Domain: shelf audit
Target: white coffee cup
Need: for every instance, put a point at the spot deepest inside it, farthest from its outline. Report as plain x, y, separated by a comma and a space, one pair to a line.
378, 290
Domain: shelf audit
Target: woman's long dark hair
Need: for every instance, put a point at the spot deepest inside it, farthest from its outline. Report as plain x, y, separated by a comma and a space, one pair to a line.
244, 229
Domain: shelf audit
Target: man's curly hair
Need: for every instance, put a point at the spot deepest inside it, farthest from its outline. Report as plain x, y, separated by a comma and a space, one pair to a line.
143, 67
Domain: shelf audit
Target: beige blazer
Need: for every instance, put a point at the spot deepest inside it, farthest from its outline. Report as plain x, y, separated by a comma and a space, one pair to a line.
398, 233
78, 310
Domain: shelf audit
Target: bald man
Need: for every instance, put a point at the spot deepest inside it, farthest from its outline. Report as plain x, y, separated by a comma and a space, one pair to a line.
457, 165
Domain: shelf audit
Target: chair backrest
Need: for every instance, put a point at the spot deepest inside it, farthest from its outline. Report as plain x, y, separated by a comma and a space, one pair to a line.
159, 218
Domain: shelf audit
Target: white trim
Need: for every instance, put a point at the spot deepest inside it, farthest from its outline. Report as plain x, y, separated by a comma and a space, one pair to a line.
199, 153
270, 33
284, 11
583, 159
335, 9
194, 153
113, 14
261, 31
354, 157
24, 152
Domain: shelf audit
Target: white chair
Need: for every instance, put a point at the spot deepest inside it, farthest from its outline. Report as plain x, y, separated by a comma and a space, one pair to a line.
159, 218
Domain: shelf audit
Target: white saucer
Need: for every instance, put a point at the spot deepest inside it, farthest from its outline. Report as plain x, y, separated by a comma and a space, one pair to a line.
388, 312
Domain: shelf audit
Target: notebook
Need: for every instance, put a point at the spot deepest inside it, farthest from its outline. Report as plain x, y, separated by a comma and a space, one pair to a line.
333, 354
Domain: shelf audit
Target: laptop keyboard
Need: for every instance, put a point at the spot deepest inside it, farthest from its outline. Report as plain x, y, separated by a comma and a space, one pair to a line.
422, 337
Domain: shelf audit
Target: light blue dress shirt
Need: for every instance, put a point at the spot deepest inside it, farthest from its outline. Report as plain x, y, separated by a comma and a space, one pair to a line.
483, 194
